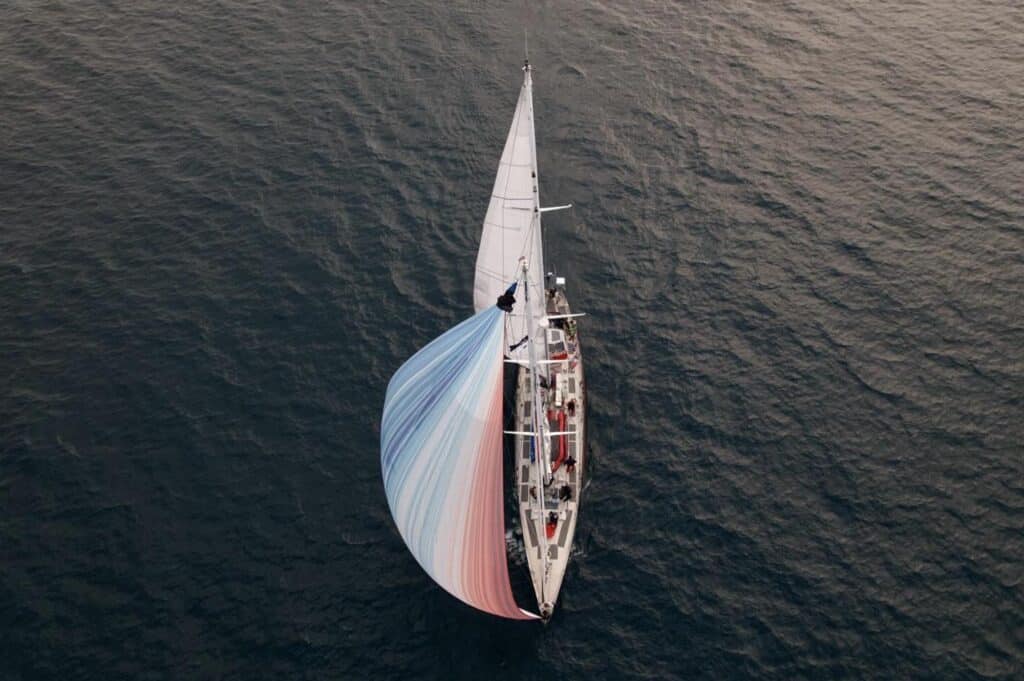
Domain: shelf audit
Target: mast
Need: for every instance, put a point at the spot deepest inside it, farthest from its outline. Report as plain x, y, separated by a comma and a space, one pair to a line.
538, 309
540, 306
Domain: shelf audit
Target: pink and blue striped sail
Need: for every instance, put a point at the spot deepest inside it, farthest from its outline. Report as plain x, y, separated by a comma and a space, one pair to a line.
441, 456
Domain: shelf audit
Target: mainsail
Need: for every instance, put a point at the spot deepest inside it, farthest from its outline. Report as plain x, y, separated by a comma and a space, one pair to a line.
441, 457
512, 225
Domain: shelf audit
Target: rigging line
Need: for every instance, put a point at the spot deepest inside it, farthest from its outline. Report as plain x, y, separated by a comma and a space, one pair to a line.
514, 198
516, 122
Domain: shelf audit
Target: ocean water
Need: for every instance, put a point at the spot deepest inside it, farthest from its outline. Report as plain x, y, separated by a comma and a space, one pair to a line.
799, 234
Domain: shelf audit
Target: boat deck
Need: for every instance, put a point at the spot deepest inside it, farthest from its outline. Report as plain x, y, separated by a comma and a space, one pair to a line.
548, 514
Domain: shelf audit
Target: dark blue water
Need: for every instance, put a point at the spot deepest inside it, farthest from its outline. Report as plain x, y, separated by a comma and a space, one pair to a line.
799, 234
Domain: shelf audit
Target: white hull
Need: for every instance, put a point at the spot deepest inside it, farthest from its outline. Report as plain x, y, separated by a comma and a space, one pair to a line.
566, 411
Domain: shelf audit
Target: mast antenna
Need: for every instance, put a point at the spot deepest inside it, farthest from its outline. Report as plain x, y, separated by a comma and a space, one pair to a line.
526, 44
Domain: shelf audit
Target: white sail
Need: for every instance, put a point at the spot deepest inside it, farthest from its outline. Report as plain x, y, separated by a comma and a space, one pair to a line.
512, 226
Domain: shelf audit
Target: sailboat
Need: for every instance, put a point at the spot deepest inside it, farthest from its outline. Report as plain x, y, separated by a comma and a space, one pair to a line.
442, 429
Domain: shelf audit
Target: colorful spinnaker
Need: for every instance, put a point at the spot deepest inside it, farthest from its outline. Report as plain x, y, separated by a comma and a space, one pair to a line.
441, 457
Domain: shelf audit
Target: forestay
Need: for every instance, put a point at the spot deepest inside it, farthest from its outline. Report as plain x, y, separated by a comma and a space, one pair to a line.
512, 226
441, 457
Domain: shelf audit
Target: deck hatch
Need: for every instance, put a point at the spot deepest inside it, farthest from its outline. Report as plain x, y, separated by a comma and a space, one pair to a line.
532, 533
565, 528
